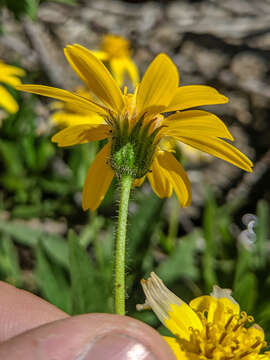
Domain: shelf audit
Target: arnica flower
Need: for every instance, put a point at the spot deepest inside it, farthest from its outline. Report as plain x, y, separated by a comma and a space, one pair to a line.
68, 114
115, 52
9, 75
209, 327
136, 130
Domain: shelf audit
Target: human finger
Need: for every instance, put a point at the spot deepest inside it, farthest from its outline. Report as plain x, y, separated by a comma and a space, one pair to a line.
89, 336
21, 311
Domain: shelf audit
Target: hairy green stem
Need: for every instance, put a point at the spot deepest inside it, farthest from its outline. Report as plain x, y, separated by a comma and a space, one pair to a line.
120, 246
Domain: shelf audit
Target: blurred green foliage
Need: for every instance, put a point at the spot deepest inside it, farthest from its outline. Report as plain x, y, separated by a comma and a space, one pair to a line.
74, 270
27, 7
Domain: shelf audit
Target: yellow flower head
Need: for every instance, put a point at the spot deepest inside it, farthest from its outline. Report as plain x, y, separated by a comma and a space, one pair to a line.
9, 75
210, 327
115, 51
68, 114
115, 46
136, 129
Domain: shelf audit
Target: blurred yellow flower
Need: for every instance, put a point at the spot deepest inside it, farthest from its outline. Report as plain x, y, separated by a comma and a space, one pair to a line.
210, 327
9, 75
115, 51
135, 128
68, 114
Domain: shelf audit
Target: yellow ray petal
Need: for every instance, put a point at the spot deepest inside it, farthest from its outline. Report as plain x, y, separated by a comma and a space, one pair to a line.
220, 149
7, 102
101, 55
70, 119
195, 95
195, 122
132, 71
95, 75
205, 303
98, 180
80, 134
218, 310
10, 80
118, 70
122, 68
175, 346
176, 176
180, 319
65, 96
158, 85
10, 70
159, 180
138, 182
174, 313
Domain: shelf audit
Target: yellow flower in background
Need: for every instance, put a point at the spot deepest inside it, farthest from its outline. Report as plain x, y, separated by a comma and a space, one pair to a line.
115, 51
136, 130
209, 327
68, 114
9, 75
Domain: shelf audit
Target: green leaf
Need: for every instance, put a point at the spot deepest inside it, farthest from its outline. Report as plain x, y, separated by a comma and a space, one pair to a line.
209, 232
10, 155
245, 291
142, 222
90, 293
243, 264
32, 8
69, 2
29, 152
262, 233
9, 262
21, 233
90, 231
181, 261
52, 281
55, 246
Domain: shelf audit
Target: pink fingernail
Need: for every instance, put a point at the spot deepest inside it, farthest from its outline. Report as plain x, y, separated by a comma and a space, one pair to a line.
117, 347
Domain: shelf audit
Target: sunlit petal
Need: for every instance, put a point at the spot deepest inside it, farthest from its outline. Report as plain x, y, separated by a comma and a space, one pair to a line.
10, 70
63, 95
190, 96
158, 85
176, 176
95, 75
7, 102
118, 70
10, 80
159, 181
195, 122
80, 134
220, 149
101, 55
132, 71
71, 119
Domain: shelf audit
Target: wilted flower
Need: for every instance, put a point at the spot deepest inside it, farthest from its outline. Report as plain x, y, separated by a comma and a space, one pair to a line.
209, 327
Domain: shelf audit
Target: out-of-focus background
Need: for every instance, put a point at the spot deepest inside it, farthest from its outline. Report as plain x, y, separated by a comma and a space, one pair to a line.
222, 238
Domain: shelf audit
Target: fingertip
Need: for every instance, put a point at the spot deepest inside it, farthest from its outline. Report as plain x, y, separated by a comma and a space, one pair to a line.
21, 311
90, 336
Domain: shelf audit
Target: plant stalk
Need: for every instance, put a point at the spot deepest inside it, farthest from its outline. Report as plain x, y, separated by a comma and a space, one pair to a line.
120, 246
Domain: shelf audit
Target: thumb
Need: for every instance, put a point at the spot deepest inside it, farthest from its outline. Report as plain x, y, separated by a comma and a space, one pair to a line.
89, 336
